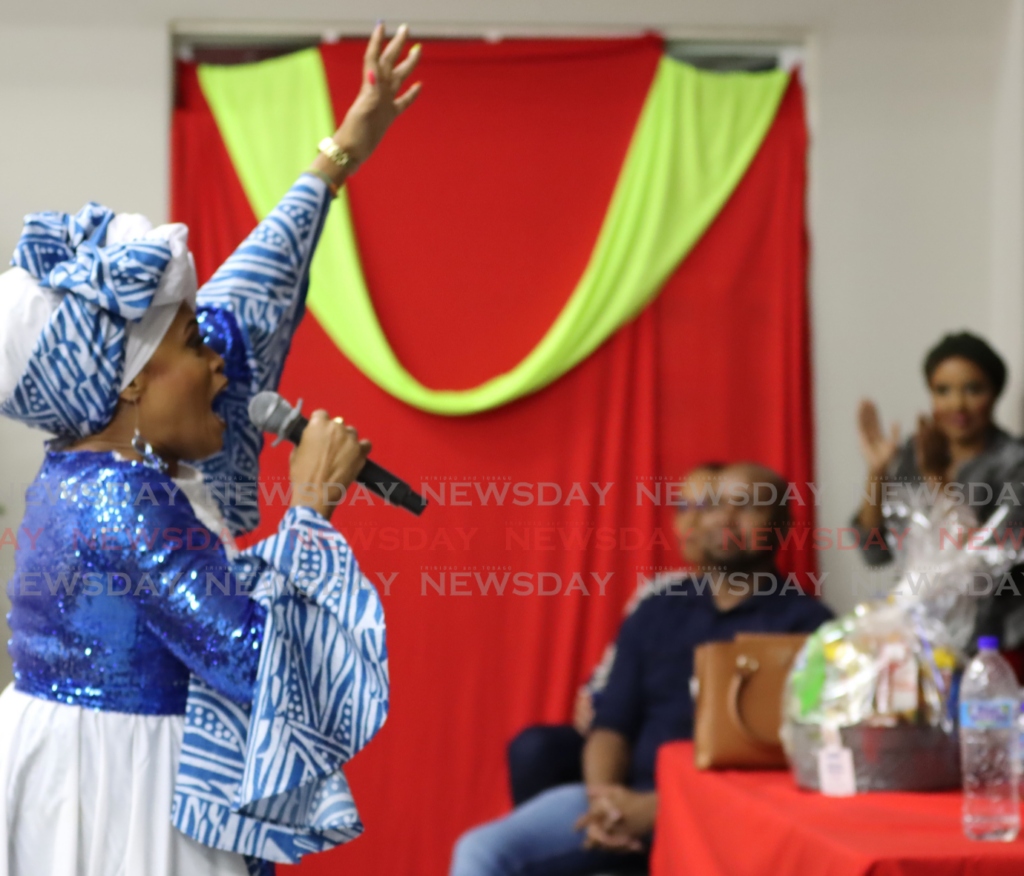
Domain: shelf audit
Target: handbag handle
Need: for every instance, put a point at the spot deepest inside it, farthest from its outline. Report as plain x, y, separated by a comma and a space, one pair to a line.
746, 666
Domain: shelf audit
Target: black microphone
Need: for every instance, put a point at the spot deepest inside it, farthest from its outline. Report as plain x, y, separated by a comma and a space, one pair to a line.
268, 412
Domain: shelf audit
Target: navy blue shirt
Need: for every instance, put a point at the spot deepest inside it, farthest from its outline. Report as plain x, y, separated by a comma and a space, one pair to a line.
648, 694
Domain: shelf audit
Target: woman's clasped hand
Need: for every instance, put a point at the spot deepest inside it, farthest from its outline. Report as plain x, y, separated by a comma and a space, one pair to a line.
326, 462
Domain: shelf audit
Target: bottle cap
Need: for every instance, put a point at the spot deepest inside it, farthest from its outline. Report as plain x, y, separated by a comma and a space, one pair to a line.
988, 643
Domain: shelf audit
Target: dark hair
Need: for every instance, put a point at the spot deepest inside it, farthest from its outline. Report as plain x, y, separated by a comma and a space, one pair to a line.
974, 349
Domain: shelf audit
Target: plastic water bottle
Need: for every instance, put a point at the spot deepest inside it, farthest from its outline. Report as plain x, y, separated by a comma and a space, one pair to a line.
1020, 751
989, 707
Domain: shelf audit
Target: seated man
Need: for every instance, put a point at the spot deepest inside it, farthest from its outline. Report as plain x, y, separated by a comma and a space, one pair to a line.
604, 823
546, 755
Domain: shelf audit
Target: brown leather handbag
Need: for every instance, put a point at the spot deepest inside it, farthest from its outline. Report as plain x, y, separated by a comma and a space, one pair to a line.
737, 688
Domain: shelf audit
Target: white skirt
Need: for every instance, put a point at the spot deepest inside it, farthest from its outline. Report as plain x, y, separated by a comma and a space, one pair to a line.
88, 793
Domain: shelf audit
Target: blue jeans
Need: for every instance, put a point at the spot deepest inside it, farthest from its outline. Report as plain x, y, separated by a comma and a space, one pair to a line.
538, 839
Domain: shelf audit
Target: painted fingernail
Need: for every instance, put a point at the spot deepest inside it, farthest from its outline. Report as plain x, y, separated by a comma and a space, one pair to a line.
417, 48
371, 77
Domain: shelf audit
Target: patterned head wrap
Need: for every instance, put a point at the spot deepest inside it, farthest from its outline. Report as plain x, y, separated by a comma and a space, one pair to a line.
87, 302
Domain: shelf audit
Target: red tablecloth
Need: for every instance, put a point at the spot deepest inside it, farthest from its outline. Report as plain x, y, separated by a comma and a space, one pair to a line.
760, 824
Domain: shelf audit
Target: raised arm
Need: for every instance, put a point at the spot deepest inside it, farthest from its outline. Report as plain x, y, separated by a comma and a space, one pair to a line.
264, 283
879, 451
250, 308
377, 105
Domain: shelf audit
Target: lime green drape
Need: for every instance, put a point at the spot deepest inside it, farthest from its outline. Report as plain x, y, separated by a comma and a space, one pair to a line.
695, 138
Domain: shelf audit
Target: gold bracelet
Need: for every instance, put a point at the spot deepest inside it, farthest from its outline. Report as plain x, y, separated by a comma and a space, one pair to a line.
333, 151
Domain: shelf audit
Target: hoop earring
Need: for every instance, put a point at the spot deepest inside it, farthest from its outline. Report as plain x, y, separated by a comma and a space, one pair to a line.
142, 447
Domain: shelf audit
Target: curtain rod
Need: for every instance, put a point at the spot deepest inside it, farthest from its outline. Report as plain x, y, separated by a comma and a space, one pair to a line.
206, 30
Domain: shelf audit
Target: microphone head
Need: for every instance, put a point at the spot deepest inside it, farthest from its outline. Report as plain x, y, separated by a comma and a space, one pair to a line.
269, 412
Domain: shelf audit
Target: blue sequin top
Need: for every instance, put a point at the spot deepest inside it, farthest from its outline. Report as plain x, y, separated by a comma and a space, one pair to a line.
124, 601
121, 592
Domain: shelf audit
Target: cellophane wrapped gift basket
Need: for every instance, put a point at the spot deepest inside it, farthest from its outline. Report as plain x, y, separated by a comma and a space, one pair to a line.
882, 680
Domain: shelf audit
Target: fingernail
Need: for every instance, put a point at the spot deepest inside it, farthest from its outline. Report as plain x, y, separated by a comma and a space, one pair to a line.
371, 77
416, 48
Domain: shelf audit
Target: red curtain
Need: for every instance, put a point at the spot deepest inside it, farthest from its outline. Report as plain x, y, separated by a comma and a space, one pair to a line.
475, 220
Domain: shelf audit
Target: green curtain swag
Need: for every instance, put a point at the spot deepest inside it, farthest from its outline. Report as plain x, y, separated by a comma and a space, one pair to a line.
696, 136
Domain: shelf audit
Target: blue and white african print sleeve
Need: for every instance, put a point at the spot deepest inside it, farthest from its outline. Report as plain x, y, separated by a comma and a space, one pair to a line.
267, 781
248, 312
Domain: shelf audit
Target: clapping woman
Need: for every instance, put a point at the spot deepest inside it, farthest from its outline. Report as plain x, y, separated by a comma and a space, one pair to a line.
180, 707
959, 443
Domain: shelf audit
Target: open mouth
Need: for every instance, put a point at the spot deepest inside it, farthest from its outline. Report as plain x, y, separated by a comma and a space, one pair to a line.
213, 403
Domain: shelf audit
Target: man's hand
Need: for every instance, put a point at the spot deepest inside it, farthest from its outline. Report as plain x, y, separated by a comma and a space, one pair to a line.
618, 819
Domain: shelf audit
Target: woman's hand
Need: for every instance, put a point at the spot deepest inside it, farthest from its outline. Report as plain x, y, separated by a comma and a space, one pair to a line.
378, 103
878, 449
325, 463
931, 450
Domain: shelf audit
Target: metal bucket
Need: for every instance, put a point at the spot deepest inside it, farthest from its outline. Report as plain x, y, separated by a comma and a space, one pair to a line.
907, 758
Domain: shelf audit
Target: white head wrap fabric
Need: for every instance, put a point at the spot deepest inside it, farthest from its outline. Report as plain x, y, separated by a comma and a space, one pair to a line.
86, 304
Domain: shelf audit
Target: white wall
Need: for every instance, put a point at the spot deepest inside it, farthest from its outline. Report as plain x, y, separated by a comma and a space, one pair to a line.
1007, 305
85, 113
905, 204
917, 199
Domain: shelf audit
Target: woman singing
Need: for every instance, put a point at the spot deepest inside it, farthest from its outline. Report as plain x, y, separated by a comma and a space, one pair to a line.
180, 708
